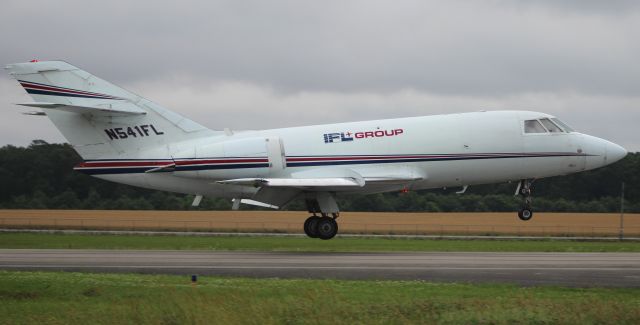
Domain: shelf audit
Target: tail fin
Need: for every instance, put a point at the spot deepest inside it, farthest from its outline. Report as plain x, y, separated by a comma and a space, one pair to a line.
99, 119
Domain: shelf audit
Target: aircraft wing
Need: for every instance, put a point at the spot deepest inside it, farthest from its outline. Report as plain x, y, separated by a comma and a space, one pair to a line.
338, 178
277, 192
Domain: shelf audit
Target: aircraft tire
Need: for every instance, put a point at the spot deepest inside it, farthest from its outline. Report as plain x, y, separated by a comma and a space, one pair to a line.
525, 214
311, 226
327, 228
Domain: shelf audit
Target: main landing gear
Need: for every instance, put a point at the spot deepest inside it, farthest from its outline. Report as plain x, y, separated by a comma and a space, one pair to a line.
323, 227
524, 190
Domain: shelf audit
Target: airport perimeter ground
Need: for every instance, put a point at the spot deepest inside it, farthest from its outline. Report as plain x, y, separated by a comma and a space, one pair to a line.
84, 298
69, 297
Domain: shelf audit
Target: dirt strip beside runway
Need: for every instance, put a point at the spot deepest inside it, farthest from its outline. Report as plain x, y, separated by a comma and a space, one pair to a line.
575, 224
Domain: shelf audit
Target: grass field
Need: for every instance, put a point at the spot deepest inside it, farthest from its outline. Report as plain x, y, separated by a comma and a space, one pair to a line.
570, 224
51, 241
81, 298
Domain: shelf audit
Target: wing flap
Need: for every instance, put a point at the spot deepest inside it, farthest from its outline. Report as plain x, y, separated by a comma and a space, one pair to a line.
392, 180
257, 203
295, 182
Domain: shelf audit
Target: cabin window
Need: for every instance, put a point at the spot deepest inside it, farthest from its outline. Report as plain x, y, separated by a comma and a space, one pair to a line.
550, 126
533, 126
562, 125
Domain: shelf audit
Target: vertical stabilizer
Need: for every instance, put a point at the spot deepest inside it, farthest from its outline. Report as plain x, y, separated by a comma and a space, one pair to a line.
99, 119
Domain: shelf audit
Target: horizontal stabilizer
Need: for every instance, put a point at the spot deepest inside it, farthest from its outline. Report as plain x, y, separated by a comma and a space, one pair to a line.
295, 182
35, 113
114, 109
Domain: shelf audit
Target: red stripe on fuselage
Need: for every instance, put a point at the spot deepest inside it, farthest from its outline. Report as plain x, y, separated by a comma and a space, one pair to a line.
91, 164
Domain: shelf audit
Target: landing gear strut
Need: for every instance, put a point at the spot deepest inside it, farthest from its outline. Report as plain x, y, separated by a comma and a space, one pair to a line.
524, 190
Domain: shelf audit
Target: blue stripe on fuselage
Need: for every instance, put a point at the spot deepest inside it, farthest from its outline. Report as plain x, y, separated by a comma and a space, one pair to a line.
355, 161
405, 160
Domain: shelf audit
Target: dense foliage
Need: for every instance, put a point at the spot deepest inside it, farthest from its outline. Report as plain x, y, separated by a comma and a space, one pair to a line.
41, 176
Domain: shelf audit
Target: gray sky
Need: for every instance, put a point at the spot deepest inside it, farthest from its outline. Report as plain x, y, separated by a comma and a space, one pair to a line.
263, 64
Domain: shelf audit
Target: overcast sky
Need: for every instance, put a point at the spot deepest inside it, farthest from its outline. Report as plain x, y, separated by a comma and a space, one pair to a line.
264, 64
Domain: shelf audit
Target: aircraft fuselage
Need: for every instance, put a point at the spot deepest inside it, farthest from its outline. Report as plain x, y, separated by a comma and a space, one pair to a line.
433, 151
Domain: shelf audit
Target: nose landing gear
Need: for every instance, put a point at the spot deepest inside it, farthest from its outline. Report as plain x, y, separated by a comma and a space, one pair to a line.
525, 213
524, 190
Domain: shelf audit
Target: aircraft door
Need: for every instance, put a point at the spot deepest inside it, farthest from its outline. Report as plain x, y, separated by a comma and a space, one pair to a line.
275, 151
576, 146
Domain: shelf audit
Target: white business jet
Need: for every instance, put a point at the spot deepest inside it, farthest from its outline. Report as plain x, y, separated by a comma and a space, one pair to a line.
128, 139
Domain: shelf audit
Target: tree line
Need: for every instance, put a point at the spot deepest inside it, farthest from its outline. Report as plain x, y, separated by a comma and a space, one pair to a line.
41, 176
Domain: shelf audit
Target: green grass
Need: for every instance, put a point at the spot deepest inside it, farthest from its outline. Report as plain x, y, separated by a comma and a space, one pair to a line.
82, 298
29, 240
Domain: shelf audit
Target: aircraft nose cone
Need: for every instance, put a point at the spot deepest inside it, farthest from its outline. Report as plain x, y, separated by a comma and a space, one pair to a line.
614, 152
601, 152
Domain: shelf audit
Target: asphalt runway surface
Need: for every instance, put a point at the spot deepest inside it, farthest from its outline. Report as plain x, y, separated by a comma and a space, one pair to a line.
565, 269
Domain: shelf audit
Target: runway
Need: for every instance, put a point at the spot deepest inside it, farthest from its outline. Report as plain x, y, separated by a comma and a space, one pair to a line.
566, 269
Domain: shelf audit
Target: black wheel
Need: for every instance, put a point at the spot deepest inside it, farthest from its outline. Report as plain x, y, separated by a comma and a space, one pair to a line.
525, 214
327, 228
311, 226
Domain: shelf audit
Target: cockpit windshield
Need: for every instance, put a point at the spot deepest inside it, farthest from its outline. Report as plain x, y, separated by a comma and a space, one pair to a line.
546, 125
550, 126
562, 125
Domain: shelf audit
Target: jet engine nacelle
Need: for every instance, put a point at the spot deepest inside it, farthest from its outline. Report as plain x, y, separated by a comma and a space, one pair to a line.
220, 160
